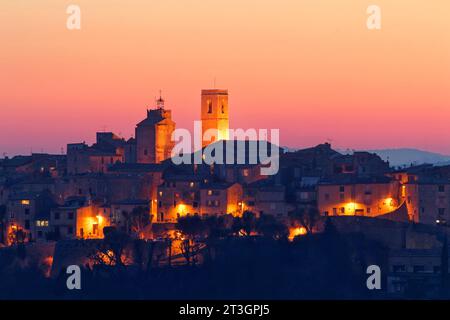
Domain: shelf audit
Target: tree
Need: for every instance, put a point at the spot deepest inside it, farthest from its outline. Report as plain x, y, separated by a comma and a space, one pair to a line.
2, 223
191, 226
306, 218
444, 267
269, 227
249, 222
111, 249
138, 221
17, 236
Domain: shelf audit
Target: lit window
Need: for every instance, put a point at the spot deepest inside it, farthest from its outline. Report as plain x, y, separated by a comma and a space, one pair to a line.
191, 184
210, 192
42, 223
25, 202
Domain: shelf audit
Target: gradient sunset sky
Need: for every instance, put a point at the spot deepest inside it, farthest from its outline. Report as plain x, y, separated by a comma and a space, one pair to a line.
308, 67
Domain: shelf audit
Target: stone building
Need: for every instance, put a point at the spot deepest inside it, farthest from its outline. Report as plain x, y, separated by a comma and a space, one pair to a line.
154, 135
214, 115
79, 218
351, 195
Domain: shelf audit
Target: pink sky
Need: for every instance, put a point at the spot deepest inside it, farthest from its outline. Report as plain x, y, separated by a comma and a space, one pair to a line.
310, 68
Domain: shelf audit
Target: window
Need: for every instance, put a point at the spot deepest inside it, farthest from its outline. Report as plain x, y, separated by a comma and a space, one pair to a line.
209, 107
210, 192
191, 184
334, 211
25, 202
56, 215
39, 234
245, 172
69, 230
42, 223
27, 211
304, 195
342, 209
223, 108
441, 188
70, 215
399, 268
27, 224
95, 229
341, 196
145, 152
195, 204
341, 189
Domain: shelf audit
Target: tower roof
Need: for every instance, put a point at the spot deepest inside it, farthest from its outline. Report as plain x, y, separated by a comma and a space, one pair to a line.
214, 92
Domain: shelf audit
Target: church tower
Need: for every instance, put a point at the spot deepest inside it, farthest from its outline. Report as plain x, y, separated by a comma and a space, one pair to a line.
153, 135
215, 113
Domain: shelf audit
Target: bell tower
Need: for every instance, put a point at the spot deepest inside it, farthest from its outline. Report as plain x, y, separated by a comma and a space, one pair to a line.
215, 114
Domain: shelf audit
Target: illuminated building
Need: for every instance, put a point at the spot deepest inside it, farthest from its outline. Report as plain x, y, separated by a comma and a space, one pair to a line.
193, 194
214, 114
358, 196
153, 135
25, 210
84, 221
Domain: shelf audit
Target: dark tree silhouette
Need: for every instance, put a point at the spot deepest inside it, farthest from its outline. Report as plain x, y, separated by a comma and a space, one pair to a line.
2, 223
137, 221
306, 218
110, 249
268, 226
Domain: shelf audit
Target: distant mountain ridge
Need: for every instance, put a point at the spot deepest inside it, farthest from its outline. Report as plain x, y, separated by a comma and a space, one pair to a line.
402, 156
408, 156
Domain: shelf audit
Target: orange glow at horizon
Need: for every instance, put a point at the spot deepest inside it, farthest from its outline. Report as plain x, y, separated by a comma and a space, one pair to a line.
310, 68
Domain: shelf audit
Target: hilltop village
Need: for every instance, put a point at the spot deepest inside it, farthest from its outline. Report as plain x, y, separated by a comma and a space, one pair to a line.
132, 186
